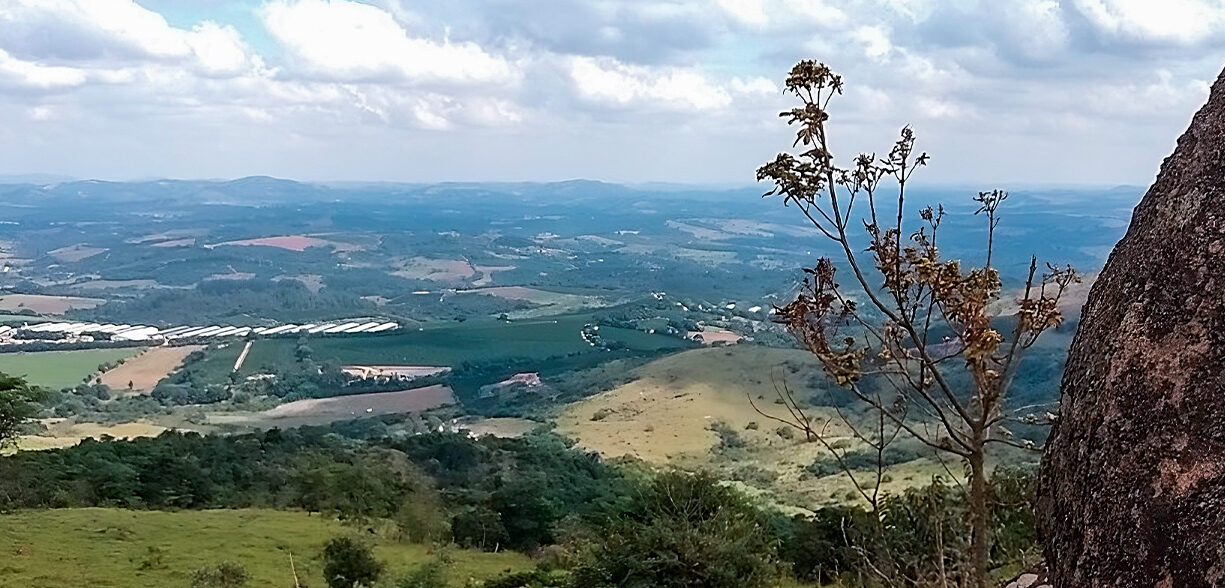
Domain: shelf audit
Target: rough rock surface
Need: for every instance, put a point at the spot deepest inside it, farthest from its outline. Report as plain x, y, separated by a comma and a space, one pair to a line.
1132, 486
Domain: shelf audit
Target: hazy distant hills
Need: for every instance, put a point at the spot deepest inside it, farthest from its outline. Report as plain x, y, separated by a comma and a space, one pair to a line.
257, 190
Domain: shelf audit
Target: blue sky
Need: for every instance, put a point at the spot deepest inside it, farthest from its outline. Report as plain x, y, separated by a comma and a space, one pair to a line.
1002, 92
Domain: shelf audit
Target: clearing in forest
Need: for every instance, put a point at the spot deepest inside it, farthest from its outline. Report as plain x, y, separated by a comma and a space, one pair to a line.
321, 411
357, 405
47, 304
76, 252
292, 243
67, 432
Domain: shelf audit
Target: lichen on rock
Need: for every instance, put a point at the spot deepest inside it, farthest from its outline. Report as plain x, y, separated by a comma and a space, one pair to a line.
1132, 485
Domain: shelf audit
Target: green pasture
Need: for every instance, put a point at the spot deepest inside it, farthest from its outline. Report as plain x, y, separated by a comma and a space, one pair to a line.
60, 369
101, 547
451, 344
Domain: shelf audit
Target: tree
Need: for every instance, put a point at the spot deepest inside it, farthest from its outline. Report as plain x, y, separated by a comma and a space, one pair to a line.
683, 530
428, 575
349, 564
18, 403
302, 351
223, 575
914, 338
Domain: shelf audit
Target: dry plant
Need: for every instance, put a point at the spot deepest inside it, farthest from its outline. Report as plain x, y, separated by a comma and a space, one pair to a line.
920, 327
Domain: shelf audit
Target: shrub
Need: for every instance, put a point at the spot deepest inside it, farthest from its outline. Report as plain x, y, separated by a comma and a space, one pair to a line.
685, 530
226, 574
430, 575
349, 564
421, 519
479, 527
532, 579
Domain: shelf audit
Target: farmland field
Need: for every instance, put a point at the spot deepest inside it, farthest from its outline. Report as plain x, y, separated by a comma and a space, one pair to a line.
67, 432
75, 252
322, 411
454, 343
17, 319
46, 304
555, 300
60, 369
291, 243
112, 548
144, 371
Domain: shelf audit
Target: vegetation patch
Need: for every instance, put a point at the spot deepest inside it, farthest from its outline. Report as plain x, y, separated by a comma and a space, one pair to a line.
47, 304
438, 270
113, 547
61, 369
74, 253
554, 301
59, 433
451, 344
364, 405
142, 372
291, 243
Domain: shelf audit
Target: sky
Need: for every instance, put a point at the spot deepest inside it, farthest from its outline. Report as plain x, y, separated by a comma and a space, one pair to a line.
1000, 92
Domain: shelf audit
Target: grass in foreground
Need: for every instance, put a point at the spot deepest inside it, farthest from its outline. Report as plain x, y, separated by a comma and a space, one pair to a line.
101, 547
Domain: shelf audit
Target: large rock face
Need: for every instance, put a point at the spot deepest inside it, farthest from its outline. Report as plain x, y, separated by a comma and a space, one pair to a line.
1132, 486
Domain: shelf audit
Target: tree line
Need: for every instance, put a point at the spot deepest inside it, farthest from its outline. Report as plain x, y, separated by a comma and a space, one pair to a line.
600, 523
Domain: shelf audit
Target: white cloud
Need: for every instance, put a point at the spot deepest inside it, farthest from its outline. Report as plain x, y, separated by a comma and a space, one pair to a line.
219, 50
875, 40
89, 29
349, 78
41, 113
29, 75
748, 12
754, 85
1177, 21
1037, 27
102, 38
815, 11
608, 81
347, 41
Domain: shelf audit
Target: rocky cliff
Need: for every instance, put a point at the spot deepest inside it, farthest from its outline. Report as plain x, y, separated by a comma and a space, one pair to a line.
1132, 487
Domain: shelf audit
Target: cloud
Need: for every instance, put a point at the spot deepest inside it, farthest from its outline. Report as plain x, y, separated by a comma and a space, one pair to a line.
608, 81
638, 31
219, 50
88, 30
748, 12
28, 75
347, 41
99, 39
154, 86
814, 11
875, 40
1167, 21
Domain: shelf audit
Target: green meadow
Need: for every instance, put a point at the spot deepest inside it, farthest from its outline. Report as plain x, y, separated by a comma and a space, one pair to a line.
101, 547
60, 369
453, 343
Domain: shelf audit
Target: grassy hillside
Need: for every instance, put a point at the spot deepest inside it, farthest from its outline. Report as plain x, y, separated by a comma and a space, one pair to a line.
692, 410
60, 369
120, 548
